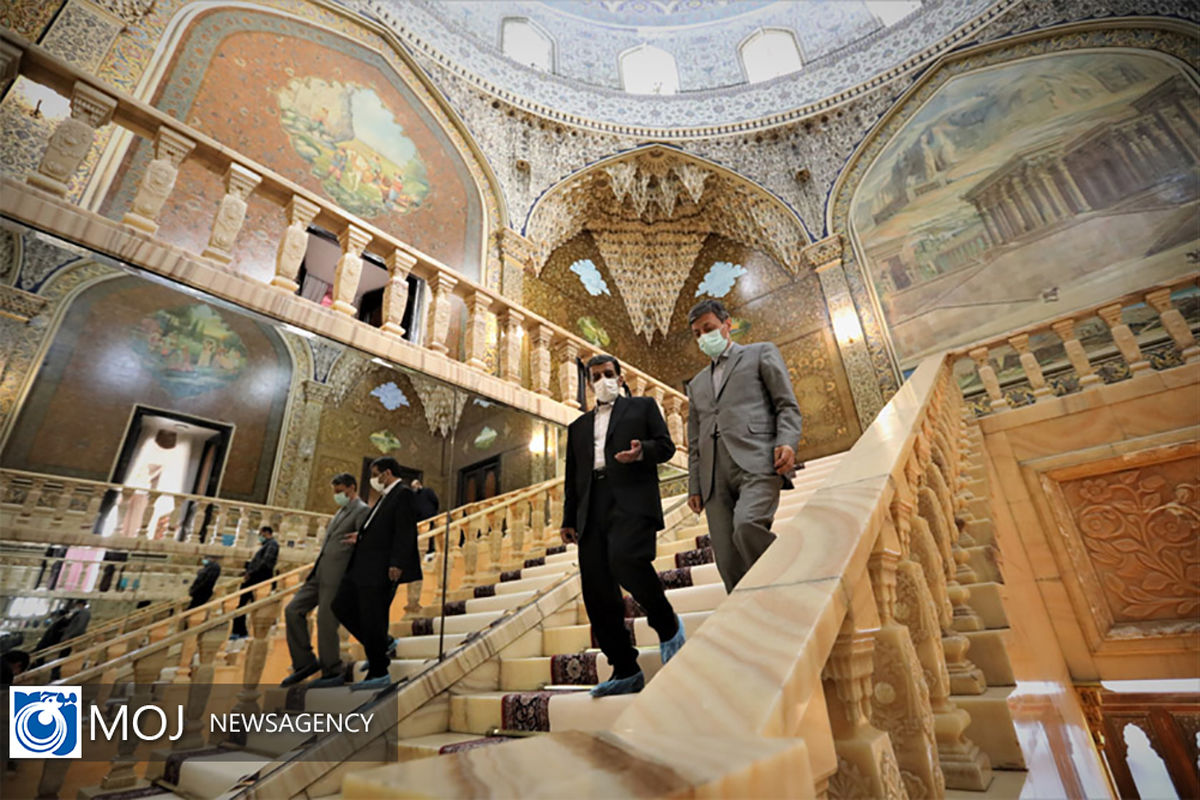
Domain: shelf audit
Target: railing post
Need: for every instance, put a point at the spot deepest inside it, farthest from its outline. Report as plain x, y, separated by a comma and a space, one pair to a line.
477, 307
395, 293
659, 393
675, 426
539, 359
231, 213
1029, 362
512, 325
71, 140
1123, 337
412, 606
1174, 323
565, 353
294, 244
1065, 329
170, 148
515, 518
987, 374
349, 269
442, 284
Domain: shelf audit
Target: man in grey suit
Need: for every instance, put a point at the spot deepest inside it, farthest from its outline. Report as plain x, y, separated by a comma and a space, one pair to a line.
320, 588
743, 426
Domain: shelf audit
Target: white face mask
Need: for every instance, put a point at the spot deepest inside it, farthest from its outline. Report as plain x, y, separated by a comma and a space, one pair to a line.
606, 389
378, 485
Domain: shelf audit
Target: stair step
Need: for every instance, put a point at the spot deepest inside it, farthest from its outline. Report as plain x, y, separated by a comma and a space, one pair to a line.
575, 669
432, 744
458, 623
556, 568
578, 638
569, 556
534, 711
705, 597
210, 776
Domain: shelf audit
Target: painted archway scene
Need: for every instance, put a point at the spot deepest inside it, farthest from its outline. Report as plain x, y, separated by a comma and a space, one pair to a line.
1025, 190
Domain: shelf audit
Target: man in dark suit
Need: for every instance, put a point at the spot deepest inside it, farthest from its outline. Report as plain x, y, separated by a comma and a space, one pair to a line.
385, 555
612, 508
258, 569
201, 590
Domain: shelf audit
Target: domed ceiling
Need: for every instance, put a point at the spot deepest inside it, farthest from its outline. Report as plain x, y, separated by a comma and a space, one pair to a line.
838, 45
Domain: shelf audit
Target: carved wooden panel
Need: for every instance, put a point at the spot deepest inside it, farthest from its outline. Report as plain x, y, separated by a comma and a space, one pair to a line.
1140, 530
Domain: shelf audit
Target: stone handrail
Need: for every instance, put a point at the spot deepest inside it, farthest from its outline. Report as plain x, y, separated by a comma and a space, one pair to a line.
45, 503
94, 105
110, 653
1157, 297
30, 576
115, 627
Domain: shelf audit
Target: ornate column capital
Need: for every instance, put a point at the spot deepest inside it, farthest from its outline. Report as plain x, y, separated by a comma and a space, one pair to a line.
823, 254
515, 246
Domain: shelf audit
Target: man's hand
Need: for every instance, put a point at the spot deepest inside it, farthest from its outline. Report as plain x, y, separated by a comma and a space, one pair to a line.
785, 459
350, 538
695, 503
634, 453
394, 574
568, 535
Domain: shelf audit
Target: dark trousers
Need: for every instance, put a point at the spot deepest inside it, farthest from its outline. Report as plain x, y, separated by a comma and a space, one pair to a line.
617, 550
239, 623
362, 607
200, 599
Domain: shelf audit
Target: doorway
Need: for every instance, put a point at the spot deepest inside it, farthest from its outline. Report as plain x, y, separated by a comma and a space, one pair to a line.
479, 481
167, 452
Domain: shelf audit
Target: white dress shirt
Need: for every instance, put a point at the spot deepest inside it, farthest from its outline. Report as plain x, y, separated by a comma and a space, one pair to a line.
378, 503
600, 433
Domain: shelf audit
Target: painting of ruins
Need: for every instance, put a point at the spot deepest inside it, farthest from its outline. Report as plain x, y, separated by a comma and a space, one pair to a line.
1029, 189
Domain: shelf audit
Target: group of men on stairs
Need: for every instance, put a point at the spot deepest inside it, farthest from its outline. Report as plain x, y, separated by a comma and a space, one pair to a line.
743, 427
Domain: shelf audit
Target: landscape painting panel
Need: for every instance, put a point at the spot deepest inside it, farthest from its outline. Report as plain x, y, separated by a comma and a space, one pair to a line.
1024, 191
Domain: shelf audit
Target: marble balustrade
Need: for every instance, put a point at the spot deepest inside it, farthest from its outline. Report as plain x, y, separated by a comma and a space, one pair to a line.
32, 576
39, 506
552, 349
1009, 391
102, 630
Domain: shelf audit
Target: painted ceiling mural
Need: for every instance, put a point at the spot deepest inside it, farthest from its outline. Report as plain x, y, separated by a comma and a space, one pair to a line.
322, 111
1025, 190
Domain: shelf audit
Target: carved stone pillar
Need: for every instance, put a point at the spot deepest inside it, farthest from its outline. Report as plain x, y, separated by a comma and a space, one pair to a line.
170, 148
516, 258
866, 762
674, 406
442, 285
565, 353
201, 679
1174, 323
825, 259
987, 374
539, 359
294, 243
515, 519
71, 140
659, 394
412, 608
1033, 370
1083, 368
349, 269
1125, 340
512, 326
231, 213
638, 384
477, 310
470, 551
395, 293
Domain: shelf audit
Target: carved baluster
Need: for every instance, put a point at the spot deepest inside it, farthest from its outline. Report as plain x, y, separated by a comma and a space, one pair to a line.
294, 244
515, 515
144, 529
674, 406
395, 293
565, 353
866, 762
231, 213
207, 643
175, 521
1075, 353
71, 140
1174, 324
495, 539
91, 516
170, 148
260, 621
638, 385
537, 541
900, 699
539, 359
470, 552
349, 269
659, 394
442, 285
146, 670
987, 374
61, 505
1123, 337
555, 501
412, 606
512, 327
1033, 370
32, 497
477, 307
